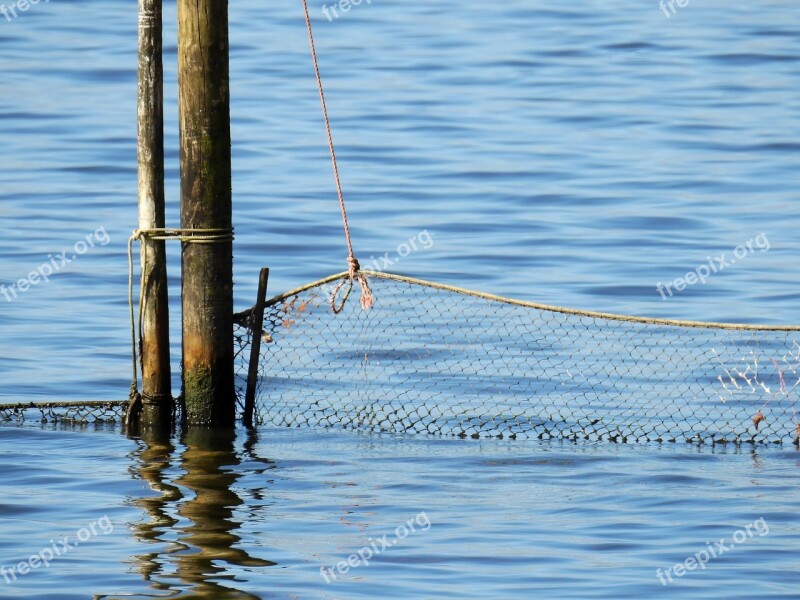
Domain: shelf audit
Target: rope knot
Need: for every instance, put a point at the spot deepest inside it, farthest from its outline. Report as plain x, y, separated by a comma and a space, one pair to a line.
354, 274
355, 267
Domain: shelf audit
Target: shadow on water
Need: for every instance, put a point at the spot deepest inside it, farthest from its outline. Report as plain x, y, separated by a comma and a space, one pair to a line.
191, 520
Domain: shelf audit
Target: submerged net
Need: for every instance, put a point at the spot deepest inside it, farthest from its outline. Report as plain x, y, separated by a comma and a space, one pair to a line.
432, 359
64, 412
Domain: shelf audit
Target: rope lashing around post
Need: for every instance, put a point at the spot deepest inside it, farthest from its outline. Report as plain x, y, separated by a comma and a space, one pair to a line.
367, 299
187, 236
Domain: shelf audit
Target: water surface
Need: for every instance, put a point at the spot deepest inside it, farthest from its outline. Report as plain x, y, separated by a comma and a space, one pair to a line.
576, 155
260, 516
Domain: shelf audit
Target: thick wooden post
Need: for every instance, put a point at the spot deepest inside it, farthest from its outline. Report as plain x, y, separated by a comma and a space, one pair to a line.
156, 384
204, 98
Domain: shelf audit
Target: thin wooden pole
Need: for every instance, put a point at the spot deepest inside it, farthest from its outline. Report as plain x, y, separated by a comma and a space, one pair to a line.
156, 384
255, 348
207, 293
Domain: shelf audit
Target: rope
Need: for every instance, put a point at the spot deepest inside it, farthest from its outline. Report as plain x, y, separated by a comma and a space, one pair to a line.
191, 236
187, 236
543, 307
367, 299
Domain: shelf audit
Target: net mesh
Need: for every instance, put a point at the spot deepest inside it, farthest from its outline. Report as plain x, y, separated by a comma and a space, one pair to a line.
437, 360
428, 358
64, 412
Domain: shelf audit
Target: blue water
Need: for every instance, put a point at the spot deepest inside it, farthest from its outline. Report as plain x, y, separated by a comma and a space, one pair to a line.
491, 520
576, 155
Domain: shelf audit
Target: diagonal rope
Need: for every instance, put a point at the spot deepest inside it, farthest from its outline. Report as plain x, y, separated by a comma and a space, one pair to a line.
367, 300
550, 308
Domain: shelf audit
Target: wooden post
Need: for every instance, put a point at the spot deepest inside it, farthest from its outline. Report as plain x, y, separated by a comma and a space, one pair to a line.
155, 361
257, 329
205, 156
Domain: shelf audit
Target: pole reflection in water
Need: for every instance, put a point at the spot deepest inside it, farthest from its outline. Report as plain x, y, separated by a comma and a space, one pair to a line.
191, 518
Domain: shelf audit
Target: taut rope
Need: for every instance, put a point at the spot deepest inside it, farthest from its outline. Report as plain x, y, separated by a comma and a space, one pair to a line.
367, 300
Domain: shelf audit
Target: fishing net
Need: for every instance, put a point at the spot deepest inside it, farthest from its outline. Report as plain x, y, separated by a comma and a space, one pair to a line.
433, 359
64, 412
428, 358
